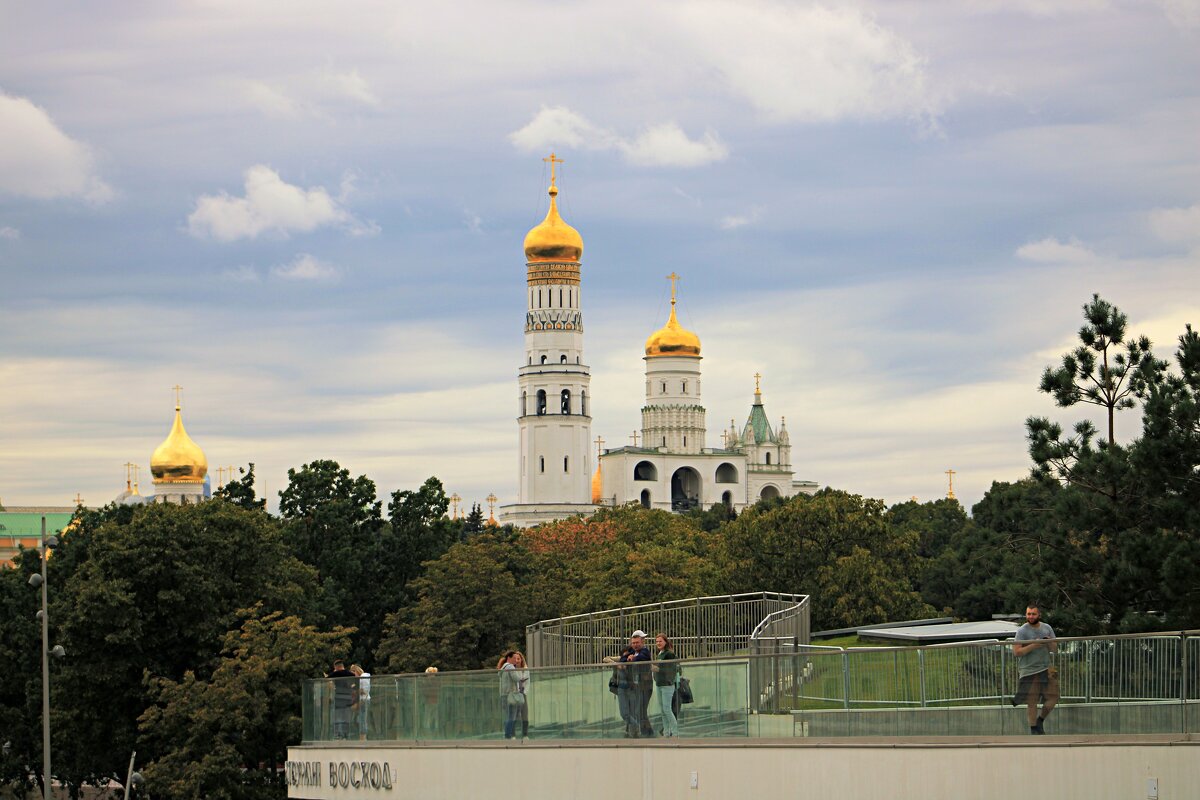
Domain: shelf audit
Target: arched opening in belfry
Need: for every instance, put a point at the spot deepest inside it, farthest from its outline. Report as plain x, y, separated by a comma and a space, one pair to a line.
769, 492
583, 403
685, 489
543, 359
524, 403
565, 401
645, 471
768, 459
562, 359
541, 402
727, 473
645, 498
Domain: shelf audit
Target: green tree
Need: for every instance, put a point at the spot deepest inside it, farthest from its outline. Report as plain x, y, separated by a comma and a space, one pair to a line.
223, 737
795, 546
470, 607
152, 590
1099, 371
420, 532
332, 521
240, 491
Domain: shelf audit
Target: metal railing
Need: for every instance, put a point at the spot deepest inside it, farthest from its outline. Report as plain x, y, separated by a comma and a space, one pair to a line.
699, 627
1113, 685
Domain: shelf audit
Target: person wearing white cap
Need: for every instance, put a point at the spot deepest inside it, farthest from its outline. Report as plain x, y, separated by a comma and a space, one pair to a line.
637, 685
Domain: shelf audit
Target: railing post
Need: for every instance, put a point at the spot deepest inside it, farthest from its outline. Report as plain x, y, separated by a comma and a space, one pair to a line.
1003, 673
921, 674
1183, 676
1087, 677
845, 680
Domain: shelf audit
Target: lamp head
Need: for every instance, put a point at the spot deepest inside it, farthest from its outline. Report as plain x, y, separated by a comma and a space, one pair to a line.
35, 580
58, 651
52, 541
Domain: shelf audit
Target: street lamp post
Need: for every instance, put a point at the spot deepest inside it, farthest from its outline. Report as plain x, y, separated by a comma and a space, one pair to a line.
39, 581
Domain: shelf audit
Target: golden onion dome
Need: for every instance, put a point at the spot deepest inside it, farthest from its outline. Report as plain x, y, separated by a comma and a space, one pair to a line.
553, 239
597, 486
672, 339
178, 459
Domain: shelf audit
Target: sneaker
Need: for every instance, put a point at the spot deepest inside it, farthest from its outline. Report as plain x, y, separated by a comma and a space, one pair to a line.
1040, 730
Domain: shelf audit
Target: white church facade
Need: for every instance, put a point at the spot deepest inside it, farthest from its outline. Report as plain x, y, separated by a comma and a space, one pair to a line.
673, 468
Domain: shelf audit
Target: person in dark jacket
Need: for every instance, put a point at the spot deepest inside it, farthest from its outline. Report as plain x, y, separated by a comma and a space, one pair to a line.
345, 695
636, 686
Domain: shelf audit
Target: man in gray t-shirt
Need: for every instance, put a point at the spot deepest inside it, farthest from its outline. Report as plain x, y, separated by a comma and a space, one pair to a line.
1036, 678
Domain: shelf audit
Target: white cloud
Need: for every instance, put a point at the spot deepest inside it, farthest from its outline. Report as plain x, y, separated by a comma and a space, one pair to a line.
1052, 251
242, 274
321, 95
809, 64
38, 160
8, 232
306, 268
1177, 225
662, 145
270, 205
1183, 14
735, 221
350, 85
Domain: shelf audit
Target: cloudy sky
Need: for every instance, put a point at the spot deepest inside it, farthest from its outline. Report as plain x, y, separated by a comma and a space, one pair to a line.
310, 215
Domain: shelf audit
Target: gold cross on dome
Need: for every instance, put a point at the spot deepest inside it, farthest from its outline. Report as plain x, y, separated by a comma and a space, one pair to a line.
757, 378
177, 389
672, 278
599, 445
553, 160
950, 493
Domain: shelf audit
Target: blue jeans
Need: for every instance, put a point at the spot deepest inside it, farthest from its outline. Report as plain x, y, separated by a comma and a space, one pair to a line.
629, 701
666, 695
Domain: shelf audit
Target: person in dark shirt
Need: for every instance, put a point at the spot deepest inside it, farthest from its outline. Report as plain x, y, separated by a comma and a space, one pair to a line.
636, 687
345, 695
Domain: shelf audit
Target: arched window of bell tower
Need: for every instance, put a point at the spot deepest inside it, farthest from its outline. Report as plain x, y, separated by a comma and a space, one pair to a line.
566, 401
541, 402
583, 403
543, 359
563, 359
524, 403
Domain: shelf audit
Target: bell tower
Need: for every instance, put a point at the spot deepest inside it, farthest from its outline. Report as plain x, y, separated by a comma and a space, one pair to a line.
554, 402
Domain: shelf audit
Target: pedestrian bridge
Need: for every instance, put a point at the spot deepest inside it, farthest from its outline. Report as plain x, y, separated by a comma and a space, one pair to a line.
929, 722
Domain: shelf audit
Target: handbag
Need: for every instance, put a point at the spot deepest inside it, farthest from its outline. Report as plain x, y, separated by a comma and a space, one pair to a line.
516, 699
684, 690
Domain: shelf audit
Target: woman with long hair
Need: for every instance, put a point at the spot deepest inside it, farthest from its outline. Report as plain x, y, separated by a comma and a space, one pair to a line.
514, 689
666, 678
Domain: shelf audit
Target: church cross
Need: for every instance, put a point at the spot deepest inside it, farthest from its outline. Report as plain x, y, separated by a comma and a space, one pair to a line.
454, 498
78, 499
599, 446
725, 438
757, 378
553, 160
672, 278
177, 389
128, 466
634, 436
950, 493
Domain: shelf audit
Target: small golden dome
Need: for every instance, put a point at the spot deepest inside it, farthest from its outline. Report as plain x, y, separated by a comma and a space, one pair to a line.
178, 459
672, 339
597, 486
553, 239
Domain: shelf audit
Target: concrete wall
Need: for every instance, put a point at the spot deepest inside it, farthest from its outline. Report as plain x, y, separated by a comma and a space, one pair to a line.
1055, 767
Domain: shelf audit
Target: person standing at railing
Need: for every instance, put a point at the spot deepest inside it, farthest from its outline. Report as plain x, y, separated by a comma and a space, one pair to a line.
364, 698
1036, 678
636, 686
345, 694
666, 676
513, 681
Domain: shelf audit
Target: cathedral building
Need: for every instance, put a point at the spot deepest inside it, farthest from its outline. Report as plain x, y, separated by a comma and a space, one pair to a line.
672, 468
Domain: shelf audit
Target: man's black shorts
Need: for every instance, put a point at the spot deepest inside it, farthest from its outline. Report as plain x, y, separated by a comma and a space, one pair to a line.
1044, 684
